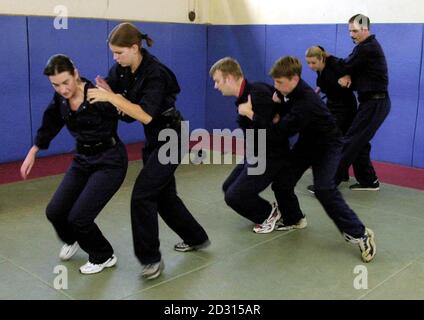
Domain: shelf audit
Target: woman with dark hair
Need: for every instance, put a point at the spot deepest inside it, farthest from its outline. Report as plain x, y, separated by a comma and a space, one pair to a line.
340, 101
97, 170
146, 90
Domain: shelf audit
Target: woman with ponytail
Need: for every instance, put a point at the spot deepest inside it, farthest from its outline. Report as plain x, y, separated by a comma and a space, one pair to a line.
143, 88
340, 101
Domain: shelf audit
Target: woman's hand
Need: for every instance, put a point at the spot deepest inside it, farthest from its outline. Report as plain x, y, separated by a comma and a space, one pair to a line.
28, 162
99, 95
101, 83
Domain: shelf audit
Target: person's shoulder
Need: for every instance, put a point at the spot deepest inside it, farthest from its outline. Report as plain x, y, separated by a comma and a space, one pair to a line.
262, 87
305, 93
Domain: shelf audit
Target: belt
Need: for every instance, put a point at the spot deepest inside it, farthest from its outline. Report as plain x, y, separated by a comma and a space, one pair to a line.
372, 96
93, 148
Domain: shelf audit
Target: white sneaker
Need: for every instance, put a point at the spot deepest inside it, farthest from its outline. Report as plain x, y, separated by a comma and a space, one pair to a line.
301, 224
90, 268
68, 250
153, 270
268, 225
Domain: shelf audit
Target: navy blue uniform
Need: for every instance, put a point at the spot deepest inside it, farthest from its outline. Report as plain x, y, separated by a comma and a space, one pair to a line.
154, 87
340, 101
368, 69
241, 189
96, 173
318, 146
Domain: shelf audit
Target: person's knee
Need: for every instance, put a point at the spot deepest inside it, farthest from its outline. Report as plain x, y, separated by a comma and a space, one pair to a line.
232, 198
53, 212
80, 226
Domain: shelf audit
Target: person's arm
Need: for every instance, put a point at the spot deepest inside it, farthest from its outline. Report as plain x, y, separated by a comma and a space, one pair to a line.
29, 161
122, 104
262, 116
144, 110
51, 124
295, 120
356, 61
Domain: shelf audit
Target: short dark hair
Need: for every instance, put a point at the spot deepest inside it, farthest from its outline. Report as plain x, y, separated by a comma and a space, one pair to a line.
59, 63
286, 67
362, 20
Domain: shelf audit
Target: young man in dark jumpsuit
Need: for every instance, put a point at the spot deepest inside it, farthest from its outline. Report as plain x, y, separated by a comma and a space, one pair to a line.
97, 170
318, 146
367, 67
242, 187
146, 90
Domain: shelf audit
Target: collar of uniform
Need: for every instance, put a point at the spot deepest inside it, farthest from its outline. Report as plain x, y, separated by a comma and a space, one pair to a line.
147, 57
244, 92
297, 90
370, 38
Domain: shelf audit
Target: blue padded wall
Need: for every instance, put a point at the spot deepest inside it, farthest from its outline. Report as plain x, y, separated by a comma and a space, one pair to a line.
190, 50
247, 45
293, 40
188, 61
418, 152
84, 41
15, 122
394, 140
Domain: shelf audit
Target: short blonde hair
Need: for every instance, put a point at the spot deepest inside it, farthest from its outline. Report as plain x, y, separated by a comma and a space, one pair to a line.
228, 66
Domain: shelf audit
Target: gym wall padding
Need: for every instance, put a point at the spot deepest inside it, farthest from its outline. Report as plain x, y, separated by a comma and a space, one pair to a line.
418, 155
84, 42
287, 40
247, 45
190, 50
402, 46
15, 116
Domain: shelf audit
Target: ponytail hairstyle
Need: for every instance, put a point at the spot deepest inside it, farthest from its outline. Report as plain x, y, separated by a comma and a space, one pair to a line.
317, 52
126, 35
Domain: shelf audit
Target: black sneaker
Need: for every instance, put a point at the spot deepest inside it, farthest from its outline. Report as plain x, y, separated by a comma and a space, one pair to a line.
311, 189
184, 247
375, 186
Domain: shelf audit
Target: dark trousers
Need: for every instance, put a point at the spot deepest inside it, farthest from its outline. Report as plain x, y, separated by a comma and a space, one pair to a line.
242, 191
155, 191
324, 160
344, 113
88, 185
357, 147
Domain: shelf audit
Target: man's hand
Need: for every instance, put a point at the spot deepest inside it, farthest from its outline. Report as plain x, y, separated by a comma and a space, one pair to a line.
276, 118
275, 98
245, 109
345, 81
